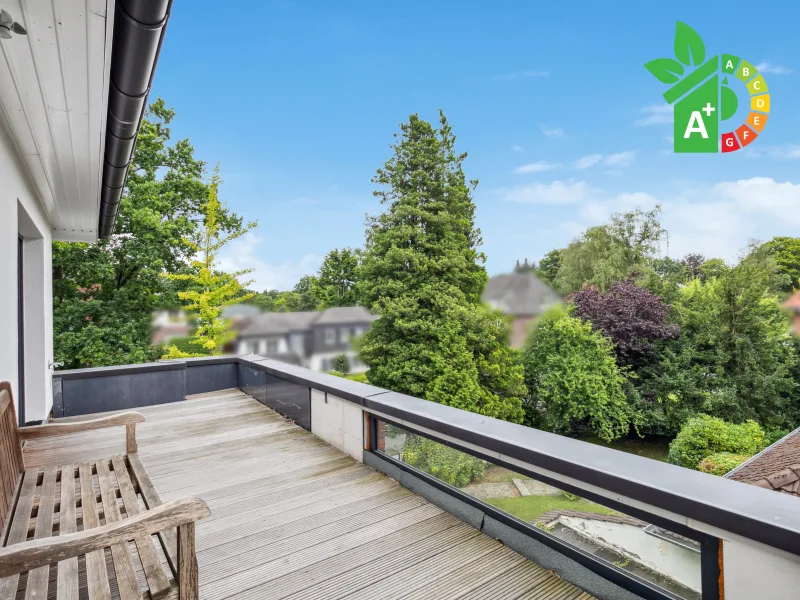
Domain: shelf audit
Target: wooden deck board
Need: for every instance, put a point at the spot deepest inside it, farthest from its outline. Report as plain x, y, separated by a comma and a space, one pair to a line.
292, 517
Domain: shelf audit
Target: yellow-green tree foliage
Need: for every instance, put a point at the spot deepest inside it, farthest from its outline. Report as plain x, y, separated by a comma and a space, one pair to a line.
210, 289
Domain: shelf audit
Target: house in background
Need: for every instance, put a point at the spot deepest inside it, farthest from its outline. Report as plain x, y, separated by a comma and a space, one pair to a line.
309, 339
775, 468
792, 304
521, 295
168, 325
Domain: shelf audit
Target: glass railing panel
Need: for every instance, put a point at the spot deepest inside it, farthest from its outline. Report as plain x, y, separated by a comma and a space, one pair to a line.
659, 557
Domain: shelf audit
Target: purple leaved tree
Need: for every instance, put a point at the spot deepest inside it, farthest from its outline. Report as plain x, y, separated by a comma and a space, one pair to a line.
631, 316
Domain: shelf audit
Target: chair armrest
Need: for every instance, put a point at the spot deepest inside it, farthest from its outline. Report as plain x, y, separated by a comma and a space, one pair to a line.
19, 558
129, 419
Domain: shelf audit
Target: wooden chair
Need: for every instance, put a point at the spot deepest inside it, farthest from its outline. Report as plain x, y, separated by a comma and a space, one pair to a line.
51, 516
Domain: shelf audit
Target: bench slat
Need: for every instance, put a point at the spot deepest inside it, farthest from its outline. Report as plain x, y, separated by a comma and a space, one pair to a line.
38, 579
19, 526
67, 582
169, 538
96, 574
157, 580
123, 566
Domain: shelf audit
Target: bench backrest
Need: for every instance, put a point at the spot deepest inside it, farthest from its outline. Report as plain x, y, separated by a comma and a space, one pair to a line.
11, 465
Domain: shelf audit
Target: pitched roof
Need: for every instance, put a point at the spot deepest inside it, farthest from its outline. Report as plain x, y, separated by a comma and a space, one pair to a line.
519, 294
776, 468
273, 323
238, 311
345, 314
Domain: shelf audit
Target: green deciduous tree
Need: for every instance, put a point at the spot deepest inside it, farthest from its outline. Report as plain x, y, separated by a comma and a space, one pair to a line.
423, 275
335, 283
305, 287
573, 380
104, 294
210, 289
612, 252
549, 266
734, 359
786, 253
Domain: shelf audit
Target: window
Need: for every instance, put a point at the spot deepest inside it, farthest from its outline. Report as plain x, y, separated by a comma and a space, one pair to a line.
243, 348
330, 337
272, 346
262, 347
344, 335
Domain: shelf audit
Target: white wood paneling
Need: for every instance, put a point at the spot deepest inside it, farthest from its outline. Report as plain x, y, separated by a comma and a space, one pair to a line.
53, 91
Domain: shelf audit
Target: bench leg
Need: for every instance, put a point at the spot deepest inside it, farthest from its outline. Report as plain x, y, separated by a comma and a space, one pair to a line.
130, 438
187, 563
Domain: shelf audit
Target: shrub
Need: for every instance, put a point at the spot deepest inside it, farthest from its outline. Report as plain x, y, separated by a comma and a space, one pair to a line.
341, 364
574, 383
721, 463
702, 436
443, 462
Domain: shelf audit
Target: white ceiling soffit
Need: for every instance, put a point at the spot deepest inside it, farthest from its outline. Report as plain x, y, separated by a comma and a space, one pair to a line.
53, 93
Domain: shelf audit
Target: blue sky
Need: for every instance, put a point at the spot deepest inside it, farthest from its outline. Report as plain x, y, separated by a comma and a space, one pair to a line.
298, 101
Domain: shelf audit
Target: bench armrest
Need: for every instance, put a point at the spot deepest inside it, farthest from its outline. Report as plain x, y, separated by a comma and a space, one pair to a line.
129, 419
19, 558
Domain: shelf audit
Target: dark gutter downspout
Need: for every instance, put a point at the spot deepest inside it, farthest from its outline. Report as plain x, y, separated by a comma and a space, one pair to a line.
139, 28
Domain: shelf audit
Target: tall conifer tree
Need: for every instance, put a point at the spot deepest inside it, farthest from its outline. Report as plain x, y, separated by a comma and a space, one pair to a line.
423, 274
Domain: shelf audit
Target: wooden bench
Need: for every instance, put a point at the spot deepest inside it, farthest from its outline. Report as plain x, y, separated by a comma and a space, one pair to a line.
90, 524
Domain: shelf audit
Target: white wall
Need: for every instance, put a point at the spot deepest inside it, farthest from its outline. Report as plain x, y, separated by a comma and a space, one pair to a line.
753, 570
676, 562
338, 422
21, 213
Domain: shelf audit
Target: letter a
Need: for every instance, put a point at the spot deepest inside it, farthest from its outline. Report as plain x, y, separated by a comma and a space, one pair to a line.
696, 125
729, 64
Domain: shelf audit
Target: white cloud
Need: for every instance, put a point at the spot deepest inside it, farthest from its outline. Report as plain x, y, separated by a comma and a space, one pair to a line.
516, 148
599, 212
521, 75
659, 114
588, 161
620, 159
766, 67
558, 192
537, 167
786, 152
764, 195
552, 131
244, 254
717, 220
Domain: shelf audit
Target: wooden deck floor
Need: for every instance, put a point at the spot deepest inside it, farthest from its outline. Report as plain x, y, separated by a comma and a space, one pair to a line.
292, 517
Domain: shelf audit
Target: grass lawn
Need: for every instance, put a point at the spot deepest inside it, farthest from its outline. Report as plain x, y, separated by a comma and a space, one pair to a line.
495, 474
362, 377
527, 508
654, 447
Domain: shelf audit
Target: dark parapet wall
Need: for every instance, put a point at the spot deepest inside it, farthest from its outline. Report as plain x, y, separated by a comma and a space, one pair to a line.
86, 391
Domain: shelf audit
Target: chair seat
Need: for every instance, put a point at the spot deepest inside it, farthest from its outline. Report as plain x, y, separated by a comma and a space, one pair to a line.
72, 498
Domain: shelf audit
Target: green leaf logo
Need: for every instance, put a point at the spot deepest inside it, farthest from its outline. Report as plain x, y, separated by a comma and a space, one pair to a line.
666, 70
688, 45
